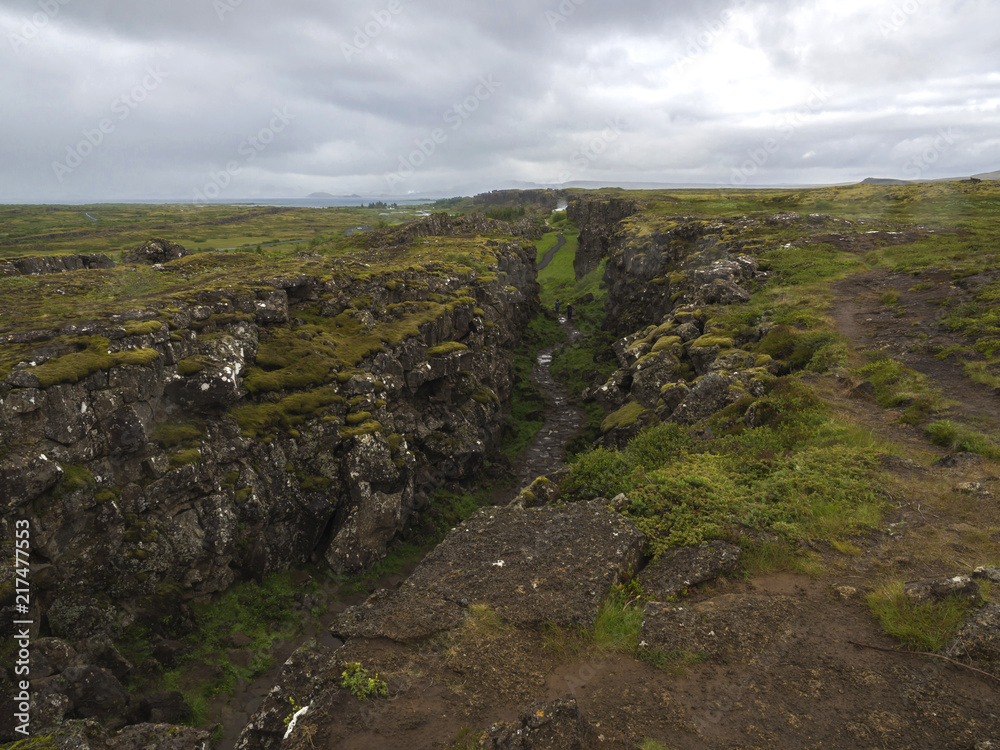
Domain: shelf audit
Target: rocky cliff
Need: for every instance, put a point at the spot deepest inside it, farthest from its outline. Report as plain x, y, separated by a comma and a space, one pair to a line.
598, 222
678, 360
219, 416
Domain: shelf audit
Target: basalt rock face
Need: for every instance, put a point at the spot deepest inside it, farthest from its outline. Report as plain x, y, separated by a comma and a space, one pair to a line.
654, 268
285, 414
598, 221
676, 361
32, 264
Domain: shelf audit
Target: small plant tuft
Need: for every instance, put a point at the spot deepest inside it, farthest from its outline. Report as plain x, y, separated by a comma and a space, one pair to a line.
362, 684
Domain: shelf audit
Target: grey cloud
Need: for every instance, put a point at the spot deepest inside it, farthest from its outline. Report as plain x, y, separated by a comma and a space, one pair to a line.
376, 86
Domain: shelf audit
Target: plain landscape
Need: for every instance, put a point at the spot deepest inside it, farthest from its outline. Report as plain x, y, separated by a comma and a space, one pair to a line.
532, 469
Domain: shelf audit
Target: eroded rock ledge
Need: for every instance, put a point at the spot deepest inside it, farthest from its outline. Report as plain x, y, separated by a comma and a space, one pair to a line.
247, 416
528, 566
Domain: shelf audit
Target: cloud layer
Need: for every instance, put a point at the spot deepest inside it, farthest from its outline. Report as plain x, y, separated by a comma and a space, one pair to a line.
235, 99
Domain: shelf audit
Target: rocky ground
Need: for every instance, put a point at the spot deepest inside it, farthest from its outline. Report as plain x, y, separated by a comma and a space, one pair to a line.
725, 661
489, 641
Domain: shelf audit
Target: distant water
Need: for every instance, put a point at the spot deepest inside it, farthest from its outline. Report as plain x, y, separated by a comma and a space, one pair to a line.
332, 202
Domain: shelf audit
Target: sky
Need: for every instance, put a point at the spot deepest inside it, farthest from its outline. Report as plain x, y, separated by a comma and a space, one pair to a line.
234, 99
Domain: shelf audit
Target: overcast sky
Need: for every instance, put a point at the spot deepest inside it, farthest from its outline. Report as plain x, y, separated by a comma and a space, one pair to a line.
195, 99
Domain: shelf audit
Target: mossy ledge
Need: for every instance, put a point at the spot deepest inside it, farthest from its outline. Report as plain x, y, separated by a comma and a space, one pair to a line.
258, 414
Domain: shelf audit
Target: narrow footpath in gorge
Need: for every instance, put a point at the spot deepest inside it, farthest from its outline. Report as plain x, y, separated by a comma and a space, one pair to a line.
563, 419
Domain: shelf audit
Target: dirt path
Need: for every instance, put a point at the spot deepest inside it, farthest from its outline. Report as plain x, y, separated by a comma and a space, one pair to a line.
547, 258
909, 330
563, 421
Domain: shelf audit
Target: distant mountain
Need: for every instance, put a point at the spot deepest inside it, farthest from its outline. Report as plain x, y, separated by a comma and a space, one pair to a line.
988, 175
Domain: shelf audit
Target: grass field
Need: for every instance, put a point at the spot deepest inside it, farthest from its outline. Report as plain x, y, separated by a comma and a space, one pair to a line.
111, 228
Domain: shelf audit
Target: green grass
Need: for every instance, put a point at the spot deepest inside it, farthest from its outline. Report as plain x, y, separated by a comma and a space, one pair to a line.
958, 437
619, 621
796, 477
263, 612
918, 627
50, 230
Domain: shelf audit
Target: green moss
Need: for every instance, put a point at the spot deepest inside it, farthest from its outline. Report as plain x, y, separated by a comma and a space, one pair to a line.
313, 483
358, 417
74, 477
723, 342
135, 328
665, 343
624, 417
259, 420
105, 496
173, 434
485, 396
242, 495
183, 458
368, 428
93, 356
192, 365
395, 441
448, 347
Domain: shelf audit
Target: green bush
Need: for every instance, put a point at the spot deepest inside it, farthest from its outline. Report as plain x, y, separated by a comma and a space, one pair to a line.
958, 437
362, 684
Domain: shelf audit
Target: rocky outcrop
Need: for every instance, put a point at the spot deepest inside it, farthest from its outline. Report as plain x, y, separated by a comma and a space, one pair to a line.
155, 251
683, 568
726, 628
598, 221
525, 567
547, 199
556, 725
526, 564
656, 266
38, 264
249, 417
678, 363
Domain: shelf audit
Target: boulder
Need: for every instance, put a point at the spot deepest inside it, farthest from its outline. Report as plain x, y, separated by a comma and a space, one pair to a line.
987, 573
530, 565
96, 694
937, 589
154, 251
168, 707
979, 637
310, 672
555, 725
679, 569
